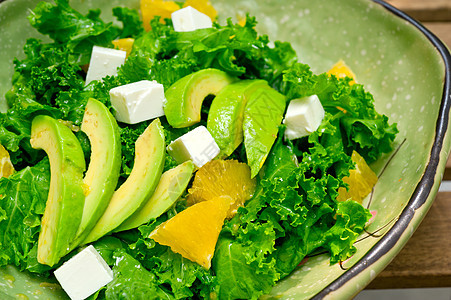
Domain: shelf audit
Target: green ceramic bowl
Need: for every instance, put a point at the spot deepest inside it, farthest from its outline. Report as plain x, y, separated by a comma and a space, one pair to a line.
405, 67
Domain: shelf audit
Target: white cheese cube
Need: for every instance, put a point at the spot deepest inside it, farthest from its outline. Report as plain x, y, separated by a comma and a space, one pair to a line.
104, 62
303, 117
84, 274
197, 145
138, 101
190, 19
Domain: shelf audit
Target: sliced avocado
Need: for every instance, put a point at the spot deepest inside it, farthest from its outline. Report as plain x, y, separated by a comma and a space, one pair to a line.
64, 206
184, 98
139, 186
262, 116
103, 172
225, 118
171, 186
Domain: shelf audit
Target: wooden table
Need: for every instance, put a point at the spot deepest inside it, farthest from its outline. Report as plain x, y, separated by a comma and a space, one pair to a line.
425, 261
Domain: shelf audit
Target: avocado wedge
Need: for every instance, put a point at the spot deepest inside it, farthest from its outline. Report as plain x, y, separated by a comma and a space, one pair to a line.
64, 206
225, 118
103, 172
185, 97
139, 186
171, 186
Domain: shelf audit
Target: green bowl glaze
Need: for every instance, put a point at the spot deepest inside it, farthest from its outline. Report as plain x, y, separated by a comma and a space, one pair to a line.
403, 65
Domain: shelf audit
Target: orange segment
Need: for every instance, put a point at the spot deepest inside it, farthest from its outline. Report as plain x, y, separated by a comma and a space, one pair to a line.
223, 178
152, 8
341, 70
6, 166
242, 22
124, 44
204, 6
361, 181
193, 233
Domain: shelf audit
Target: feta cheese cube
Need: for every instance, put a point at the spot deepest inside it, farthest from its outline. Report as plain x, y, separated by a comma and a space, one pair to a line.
197, 145
190, 19
84, 274
303, 117
138, 101
104, 62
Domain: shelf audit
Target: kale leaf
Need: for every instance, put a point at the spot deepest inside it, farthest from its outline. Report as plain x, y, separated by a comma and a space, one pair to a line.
66, 26
22, 203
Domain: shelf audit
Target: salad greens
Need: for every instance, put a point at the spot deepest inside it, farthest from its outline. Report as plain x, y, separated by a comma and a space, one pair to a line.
293, 211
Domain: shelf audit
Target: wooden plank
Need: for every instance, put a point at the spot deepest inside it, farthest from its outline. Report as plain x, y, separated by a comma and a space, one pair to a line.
447, 174
425, 10
442, 30
425, 261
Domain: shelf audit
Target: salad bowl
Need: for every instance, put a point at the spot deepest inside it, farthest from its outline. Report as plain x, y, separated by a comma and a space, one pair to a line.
404, 66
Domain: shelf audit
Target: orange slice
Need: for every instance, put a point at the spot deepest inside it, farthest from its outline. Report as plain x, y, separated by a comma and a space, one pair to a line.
361, 181
152, 8
223, 178
124, 44
242, 22
193, 233
341, 70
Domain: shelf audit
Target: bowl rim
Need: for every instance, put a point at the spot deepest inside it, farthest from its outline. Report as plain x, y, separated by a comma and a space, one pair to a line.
425, 185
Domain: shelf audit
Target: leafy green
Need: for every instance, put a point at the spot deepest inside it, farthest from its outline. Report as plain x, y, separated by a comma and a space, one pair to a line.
129, 135
106, 247
22, 203
235, 49
66, 26
45, 82
366, 131
34, 266
132, 25
339, 239
50, 80
239, 278
184, 276
132, 281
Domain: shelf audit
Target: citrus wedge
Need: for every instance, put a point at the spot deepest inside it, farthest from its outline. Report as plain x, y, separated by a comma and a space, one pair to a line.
124, 44
341, 70
223, 178
193, 233
361, 181
152, 8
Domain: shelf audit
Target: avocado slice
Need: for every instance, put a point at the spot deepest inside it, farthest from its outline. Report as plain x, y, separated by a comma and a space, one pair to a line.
225, 118
139, 186
184, 98
262, 116
171, 186
103, 172
64, 206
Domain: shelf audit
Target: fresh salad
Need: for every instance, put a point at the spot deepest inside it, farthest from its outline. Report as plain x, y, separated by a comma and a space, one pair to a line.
175, 157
